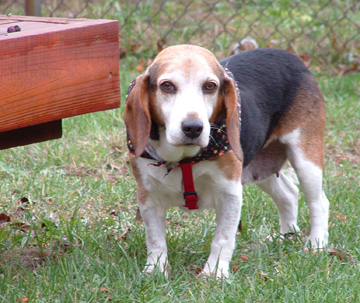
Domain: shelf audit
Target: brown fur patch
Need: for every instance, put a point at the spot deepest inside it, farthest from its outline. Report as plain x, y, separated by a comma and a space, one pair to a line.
193, 115
307, 112
175, 57
137, 114
230, 165
142, 193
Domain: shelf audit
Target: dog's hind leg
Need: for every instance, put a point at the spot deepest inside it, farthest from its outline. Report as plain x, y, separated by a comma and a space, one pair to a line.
309, 169
301, 130
285, 196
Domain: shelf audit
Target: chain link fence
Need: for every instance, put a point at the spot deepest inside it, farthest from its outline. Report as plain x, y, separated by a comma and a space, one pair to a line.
322, 32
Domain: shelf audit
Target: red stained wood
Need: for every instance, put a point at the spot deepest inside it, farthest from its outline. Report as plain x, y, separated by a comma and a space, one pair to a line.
56, 68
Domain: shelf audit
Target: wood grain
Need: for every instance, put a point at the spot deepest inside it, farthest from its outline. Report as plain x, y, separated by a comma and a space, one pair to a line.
56, 68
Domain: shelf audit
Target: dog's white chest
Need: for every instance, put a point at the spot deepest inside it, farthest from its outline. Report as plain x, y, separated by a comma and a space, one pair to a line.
167, 189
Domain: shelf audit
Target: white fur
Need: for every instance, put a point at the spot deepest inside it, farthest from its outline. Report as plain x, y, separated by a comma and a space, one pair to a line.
214, 191
310, 178
285, 196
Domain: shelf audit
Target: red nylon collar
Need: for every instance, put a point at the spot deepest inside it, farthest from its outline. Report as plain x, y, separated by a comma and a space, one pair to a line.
190, 195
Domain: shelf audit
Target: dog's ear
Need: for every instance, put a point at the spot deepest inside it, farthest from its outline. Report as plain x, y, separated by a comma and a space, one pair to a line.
232, 117
137, 113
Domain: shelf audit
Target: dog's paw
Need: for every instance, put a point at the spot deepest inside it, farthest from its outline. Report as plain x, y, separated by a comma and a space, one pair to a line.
290, 236
150, 269
162, 266
219, 271
317, 242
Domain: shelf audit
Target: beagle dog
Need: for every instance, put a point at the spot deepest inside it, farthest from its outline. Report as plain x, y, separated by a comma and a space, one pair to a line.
199, 129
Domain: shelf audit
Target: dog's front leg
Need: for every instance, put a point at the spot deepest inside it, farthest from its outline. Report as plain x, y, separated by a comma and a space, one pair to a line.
228, 212
154, 221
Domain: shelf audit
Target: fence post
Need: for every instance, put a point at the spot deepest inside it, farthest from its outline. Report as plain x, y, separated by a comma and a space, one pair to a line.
33, 8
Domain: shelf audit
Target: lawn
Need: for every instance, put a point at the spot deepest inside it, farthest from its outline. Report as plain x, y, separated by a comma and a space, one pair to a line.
68, 228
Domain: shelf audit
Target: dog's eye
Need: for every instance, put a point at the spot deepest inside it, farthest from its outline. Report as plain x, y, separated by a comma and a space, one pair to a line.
209, 87
167, 87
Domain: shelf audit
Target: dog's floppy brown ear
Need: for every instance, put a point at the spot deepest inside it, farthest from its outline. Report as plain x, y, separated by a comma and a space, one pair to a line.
137, 114
232, 117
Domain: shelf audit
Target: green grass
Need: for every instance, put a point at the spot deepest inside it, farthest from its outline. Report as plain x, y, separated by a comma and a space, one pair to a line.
79, 240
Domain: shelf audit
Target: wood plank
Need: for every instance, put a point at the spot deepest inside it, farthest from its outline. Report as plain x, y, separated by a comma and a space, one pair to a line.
31, 134
14, 18
56, 68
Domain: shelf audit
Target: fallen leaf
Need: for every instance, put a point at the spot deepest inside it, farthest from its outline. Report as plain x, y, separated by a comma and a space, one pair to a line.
114, 149
240, 226
334, 42
24, 203
341, 217
138, 215
23, 200
161, 44
23, 227
122, 52
306, 59
4, 218
22, 300
116, 167
290, 49
264, 275
134, 47
244, 258
340, 254
113, 213
141, 66
104, 289
235, 268
197, 269
149, 61
123, 235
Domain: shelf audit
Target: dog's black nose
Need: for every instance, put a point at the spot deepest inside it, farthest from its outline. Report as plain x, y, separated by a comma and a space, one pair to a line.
192, 128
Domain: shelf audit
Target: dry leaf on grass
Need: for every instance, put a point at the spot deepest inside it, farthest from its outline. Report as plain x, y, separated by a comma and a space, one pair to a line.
340, 254
113, 149
123, 235
235, 268
23, 227
4, 218
138, 215
244, 258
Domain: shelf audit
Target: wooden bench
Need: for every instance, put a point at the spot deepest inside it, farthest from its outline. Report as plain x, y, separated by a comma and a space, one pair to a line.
53, 69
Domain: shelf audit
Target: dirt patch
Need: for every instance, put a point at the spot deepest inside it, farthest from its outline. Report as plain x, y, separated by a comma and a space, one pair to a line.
349, 154
24, 257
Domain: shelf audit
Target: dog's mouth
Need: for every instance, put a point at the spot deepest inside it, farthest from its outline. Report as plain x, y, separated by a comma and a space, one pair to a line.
185, 145
180, 140
189, 144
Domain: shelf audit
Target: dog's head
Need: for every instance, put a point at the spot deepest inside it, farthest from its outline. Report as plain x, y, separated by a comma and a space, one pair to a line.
176, 100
